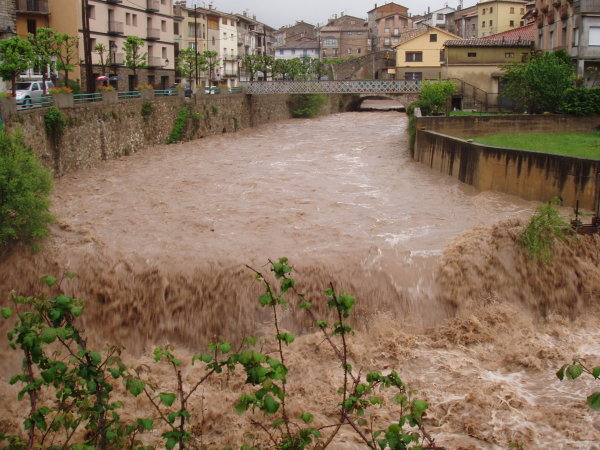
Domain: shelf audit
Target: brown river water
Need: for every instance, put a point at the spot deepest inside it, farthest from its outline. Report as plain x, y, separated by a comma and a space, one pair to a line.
160, 241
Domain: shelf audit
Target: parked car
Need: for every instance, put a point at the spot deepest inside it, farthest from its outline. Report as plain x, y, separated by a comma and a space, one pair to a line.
211, 90
30, 92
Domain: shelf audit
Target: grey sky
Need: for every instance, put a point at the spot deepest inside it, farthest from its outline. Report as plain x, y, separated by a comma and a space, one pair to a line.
278, 13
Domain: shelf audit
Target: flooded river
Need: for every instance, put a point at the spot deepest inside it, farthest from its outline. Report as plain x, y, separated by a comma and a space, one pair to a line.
160, 241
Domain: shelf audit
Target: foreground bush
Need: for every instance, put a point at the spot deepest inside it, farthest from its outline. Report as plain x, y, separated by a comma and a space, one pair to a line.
24, 190
581, 101
307, 105
70, 387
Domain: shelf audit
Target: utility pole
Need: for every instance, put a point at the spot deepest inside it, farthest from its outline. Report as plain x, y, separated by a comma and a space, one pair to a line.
196, 41
87, 51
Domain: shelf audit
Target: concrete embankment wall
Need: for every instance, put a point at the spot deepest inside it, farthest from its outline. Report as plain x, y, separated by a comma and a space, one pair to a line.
97, 132
530, 175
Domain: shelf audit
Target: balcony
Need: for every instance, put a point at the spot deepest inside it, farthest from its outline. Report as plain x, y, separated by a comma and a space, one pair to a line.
117, 59
153, 34
152, 5
33, 6
155, 61
115, 27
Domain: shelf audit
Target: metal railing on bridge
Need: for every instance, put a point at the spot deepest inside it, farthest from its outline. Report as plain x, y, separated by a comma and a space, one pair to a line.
332, 87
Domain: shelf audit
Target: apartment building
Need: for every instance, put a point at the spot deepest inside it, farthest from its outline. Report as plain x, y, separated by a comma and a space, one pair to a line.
298, 48
110, 22
385, 24
228, 72
496, 16
436, 18
463, 22
343, 37
300, 30
575, 27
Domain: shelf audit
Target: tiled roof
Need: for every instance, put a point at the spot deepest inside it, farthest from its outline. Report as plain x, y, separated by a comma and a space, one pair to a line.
526, 33
487, 43
411, 34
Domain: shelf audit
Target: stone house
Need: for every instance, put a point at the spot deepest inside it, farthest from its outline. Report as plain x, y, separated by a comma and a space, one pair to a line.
343, 37
463, 22
385, 24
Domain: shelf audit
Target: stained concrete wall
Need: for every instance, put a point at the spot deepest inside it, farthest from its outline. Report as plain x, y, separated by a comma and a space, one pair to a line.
97, 131
530, 175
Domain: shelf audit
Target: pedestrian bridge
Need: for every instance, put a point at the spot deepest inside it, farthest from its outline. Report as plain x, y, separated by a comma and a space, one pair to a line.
365, 87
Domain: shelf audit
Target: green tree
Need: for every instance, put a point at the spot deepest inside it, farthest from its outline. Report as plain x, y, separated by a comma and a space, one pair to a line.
540, 83
188, 61
44, 52
212, 62
104, 56
252, 65
434, 95
66, 52
24, 190
16, 56
291, 69
267, 66
135, 58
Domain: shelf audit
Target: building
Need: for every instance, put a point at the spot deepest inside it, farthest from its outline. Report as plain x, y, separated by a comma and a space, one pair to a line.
299, 30
227, 74
435, 18
385, 24
463, 22
420, 53
496, 16
8, 19
477, 63
30, 15
110, 23
190, 31
343, 37
301, 48
575, 27
524, 33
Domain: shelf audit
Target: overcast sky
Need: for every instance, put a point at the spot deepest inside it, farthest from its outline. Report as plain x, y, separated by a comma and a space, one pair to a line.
278, 13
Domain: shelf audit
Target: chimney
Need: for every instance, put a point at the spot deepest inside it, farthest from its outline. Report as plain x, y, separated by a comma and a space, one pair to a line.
375, 5
428, 10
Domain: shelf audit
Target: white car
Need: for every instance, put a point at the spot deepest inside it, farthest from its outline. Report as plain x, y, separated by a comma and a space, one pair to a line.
30, 92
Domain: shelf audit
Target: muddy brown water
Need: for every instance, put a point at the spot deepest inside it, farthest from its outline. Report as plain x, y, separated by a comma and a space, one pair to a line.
160, 241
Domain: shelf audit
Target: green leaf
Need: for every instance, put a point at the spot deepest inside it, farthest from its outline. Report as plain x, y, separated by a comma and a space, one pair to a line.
285, 337
225, 347
95, 357
203, 358
419, 407
306, 417
135, 386
321, 324
146, 424
594, 401
166, 398
48, 335
574, 371
305, 305
561, 372
596, 372
264, 299
6, 312
271, 405
50, 281
76, 310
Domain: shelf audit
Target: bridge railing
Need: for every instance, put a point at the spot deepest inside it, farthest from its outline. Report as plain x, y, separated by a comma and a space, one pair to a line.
332, 87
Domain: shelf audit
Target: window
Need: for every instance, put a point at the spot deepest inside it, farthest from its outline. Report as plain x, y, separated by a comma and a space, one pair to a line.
483, 12
413, 76
151, 79
442, 56
31, 26
396, 40
91, 11
349, 51
512, 10
134, 20
396, 32
127, 19
191, 30
512, 23
281, 52
386, 41
522, 23
522, 11
358, 51
163, 25
389, 22
224, 21
433, 38
594, 36
440, 17
483, 24
491, 23
387, 30
163, 52
214, 41
575, 37
176, 28
163, 2
473, 27
509, 55
305, 52
491, 10
293, 51
330, 42
472, 54
92, 43
192, 45
414, 56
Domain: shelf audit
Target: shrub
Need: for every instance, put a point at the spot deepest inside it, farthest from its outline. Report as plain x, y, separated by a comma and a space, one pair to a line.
434, 96
74, 85
307, 105
55, 122
5, 95
179, 125
24, 190
60, 90
581, 101
106, 89
147, 109
144, 87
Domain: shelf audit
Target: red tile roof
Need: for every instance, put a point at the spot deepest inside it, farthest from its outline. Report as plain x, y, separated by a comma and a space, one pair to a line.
487, 43
526, 33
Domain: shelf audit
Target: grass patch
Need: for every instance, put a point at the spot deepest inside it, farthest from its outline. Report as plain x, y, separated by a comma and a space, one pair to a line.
581, 145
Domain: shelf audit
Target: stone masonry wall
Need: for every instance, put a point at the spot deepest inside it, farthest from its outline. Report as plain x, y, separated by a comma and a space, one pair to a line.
97, 131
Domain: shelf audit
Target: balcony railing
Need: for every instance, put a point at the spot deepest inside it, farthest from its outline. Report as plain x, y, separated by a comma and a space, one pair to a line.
592, 6
153, 34
152, 5
115, 27
33, 6
155, 61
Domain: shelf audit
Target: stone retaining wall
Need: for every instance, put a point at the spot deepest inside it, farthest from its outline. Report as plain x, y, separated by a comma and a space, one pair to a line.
530, 175
99, 131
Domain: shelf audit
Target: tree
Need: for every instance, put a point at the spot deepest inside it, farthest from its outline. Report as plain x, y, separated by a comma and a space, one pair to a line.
252, 65
16, 56
134, 58
44, 52
540, 83
267, 66
190, 62
212, 61
66, 52
434, 95
291, 69
104, 56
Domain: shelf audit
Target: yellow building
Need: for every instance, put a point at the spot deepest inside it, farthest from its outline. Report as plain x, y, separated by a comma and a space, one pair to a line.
497, 16
420, 53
